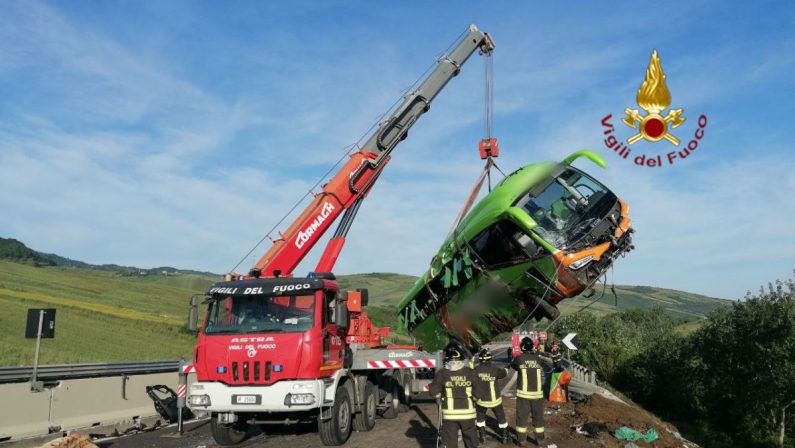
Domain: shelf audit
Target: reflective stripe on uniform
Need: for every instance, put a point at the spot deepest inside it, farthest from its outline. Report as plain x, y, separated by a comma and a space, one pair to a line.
470, 416
490, 404
458, 411
502, 425
521, 429
481, 424
539, 430
531, 395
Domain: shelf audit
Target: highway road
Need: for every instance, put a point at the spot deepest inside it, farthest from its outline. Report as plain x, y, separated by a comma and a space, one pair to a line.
414, 428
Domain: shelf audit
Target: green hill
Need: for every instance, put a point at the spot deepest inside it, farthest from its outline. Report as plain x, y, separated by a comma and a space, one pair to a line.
129, 314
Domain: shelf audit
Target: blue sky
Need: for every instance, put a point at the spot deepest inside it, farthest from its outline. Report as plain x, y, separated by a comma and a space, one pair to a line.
177, 133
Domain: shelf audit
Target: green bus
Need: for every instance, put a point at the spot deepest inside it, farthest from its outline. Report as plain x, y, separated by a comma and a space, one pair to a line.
546, 232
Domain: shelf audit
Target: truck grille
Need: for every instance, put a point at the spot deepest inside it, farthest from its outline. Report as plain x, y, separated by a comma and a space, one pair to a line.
245, 372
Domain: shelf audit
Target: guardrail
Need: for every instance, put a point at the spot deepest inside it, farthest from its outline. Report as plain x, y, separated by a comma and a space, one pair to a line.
57, 372
579, 372
102, 397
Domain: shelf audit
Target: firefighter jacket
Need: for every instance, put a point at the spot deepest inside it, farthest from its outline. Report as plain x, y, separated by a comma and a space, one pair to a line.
529, 376
488, 376
458, 390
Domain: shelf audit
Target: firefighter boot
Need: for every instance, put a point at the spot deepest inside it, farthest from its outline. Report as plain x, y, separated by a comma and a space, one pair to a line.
504, 436
520, 439
539, 438
482, 434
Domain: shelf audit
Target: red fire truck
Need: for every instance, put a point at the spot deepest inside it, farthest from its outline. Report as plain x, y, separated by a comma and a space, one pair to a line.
275, 348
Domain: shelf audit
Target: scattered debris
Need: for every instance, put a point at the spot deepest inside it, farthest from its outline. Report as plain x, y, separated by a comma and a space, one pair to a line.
592, 429
626, 433
71, 441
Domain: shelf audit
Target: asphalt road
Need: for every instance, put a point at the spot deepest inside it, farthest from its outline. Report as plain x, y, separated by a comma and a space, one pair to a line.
414, 428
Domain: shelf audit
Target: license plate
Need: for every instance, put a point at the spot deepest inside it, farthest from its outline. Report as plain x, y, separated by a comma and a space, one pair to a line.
245, 399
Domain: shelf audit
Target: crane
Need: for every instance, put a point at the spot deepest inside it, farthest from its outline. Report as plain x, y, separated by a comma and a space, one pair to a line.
276, 348
344, 193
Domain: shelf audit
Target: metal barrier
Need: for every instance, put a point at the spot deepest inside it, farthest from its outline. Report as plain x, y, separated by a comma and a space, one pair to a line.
579, 372
57, 372
102, 397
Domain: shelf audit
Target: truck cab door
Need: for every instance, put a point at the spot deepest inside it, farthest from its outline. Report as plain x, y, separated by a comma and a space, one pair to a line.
332, 337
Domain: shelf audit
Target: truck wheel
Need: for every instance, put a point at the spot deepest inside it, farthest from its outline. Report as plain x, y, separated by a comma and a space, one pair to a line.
227, 434
392, 398
336, 430
365, 420
405, 403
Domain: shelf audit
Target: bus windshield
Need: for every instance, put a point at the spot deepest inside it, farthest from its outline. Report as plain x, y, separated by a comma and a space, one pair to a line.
568, 207
259, 314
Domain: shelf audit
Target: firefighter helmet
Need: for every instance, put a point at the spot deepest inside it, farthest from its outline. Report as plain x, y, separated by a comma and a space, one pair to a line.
484, 356
526, 345
454, 352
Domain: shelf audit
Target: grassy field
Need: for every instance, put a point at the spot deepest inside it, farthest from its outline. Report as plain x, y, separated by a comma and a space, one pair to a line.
105, 316
101, 316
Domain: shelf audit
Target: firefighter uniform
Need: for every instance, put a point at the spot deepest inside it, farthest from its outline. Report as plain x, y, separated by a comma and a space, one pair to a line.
456, 385
529, 395
490, 398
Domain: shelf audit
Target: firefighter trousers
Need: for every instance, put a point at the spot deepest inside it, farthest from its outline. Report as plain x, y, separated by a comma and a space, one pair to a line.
525, 407
499, 414
450, 430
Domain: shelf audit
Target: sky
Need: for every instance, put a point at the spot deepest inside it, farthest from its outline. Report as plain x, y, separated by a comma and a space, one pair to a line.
178, 133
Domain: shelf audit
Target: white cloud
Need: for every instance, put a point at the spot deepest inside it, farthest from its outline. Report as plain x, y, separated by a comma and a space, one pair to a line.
119, 153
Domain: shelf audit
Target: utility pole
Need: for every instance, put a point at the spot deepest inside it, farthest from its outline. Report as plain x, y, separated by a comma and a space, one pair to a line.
36, 385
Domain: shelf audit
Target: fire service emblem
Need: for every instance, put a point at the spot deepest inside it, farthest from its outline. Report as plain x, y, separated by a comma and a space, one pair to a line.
654, 98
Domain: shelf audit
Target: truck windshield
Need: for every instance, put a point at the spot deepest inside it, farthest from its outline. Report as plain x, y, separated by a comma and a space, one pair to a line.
258, 314
568, 207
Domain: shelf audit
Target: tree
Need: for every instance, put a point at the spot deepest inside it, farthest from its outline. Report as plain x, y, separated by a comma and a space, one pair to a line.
747, 354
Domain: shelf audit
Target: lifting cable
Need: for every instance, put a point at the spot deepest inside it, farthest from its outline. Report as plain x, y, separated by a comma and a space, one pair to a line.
488, 97
488, 123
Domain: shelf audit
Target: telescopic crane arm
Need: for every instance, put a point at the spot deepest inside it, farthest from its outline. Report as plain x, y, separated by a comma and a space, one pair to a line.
343, 194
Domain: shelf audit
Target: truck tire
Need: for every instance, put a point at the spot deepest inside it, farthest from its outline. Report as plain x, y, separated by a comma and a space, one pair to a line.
405, 402
392, 398
365, 421
226, 435
336, 430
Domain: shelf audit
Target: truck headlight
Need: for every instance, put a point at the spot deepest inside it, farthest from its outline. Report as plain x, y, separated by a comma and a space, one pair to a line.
298, 399
581, 262
199, 400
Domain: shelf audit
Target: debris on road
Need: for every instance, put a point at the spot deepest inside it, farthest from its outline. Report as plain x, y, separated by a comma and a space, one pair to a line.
70, 441
625, 433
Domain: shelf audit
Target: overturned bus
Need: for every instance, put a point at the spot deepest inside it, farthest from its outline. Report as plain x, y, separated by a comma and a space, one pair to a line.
546, 232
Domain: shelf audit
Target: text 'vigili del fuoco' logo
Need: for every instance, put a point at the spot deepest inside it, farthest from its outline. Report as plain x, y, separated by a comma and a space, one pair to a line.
655, 125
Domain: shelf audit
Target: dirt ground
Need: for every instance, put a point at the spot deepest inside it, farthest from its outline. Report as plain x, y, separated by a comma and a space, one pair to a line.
417, 428
560, 419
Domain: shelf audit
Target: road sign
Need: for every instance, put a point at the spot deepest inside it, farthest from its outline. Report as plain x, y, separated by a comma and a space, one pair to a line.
542, 335
571, 341
47, 323
41, 324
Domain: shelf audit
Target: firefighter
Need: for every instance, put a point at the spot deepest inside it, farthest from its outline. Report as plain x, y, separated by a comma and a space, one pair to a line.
457, 386
529, 395
491, 398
